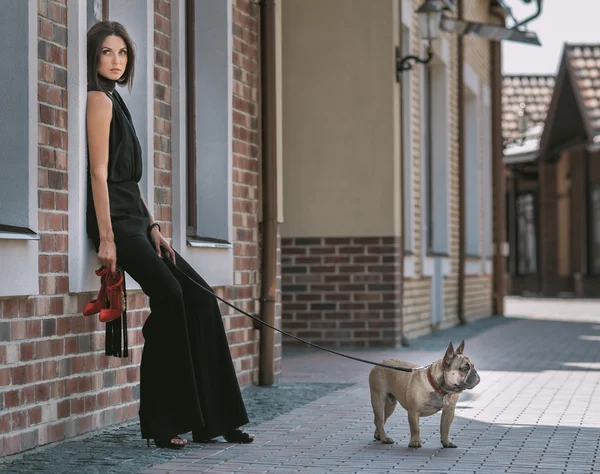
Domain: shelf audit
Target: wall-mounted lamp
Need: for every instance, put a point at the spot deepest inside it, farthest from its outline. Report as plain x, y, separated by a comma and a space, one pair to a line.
429, 15
522, 119
523, 122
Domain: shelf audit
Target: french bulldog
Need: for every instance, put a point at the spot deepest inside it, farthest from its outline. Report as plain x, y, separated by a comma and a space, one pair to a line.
422, 392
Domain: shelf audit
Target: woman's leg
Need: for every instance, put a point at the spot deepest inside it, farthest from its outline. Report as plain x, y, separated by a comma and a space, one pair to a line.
168, 393
224, 405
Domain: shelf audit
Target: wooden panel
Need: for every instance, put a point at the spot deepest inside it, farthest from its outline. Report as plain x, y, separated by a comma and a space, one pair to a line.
563, 216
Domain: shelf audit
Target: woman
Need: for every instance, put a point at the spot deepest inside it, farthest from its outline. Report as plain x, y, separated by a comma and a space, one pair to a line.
187, 378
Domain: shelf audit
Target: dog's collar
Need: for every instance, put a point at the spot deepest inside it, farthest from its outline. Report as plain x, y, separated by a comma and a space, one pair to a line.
434, 384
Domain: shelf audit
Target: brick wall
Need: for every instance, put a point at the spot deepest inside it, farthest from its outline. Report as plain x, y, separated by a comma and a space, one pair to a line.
451, 281
477, 50
163, 195
341, 291
417, 306
478, 288
55, 381
478, 296
246, 166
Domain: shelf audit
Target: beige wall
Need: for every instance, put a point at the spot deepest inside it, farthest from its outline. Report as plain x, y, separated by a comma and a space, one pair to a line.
340, 126
477, 50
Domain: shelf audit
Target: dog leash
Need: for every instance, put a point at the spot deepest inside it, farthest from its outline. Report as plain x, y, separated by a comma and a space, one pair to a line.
358, 359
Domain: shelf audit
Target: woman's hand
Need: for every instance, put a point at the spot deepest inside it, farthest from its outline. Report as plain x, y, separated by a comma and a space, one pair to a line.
107, 254
161, 243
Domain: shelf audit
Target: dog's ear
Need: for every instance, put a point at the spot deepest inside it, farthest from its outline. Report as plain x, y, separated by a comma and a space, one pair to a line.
461, 347
450, 354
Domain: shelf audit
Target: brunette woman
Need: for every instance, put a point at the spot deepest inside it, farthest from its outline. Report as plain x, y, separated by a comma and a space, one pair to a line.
187, 378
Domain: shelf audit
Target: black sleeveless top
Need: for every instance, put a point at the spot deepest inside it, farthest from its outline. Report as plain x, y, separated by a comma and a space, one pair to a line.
128, 213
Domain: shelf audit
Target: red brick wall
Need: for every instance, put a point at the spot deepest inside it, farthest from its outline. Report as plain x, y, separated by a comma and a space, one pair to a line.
163, 196
341, 291
55, 381
246, 165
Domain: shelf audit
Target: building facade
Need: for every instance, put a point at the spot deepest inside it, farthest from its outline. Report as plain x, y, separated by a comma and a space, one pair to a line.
245, 110
372, 234
55, 381
552, 178
569, 178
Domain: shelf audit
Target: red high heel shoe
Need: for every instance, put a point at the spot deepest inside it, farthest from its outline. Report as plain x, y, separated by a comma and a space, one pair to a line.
114, 297
94, 306
110, 300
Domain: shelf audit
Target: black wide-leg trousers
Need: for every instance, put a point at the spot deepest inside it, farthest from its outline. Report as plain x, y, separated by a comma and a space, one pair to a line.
187, 380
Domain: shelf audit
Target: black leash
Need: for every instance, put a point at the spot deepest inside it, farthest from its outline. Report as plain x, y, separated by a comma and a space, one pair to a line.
402, 369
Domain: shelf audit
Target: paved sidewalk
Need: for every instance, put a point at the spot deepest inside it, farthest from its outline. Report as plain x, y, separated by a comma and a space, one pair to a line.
536, 409
120, 450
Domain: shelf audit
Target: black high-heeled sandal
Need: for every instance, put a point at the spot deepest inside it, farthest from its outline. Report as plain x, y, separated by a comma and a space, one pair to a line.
238, 436
161, 443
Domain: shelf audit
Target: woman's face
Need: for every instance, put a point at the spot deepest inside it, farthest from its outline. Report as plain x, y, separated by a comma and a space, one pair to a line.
113, 58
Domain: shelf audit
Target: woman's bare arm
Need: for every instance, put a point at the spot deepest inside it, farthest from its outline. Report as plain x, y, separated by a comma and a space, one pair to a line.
99, 116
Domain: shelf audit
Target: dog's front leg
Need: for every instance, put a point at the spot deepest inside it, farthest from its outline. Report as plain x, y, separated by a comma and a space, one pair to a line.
415, 431
447, 418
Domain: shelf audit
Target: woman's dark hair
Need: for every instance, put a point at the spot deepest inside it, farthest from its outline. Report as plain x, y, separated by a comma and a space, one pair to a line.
95, 37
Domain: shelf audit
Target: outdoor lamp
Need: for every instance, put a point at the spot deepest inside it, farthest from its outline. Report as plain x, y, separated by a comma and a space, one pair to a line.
522, 118
429, 15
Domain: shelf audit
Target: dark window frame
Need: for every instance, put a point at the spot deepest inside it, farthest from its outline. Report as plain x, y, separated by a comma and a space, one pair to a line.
105, 10
190, 78
428, 157
532, 269
509, 231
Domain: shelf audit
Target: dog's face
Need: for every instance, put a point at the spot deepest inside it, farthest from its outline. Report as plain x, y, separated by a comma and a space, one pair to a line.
459, 371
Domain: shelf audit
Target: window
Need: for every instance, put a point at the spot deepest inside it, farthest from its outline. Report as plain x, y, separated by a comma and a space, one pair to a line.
191, 223
595, 228
472, 197
526, 234
19, 158
509, 226
407, 142
18, 131
435, 150
202, 135
208, 122
488, 201
97, 10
